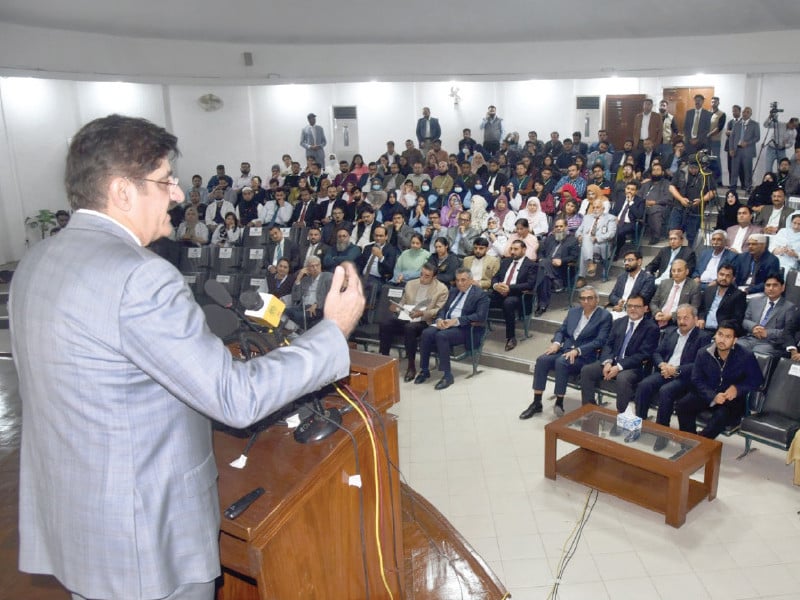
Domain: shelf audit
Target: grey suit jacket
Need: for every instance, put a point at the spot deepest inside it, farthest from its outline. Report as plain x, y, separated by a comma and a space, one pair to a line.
775, 324
690, 294
300, 289
119, 375
307, 140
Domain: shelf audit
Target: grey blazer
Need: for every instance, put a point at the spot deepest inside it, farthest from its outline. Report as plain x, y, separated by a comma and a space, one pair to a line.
119, 375
776, 322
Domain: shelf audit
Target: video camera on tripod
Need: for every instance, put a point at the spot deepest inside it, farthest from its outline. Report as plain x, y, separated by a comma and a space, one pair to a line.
774, 110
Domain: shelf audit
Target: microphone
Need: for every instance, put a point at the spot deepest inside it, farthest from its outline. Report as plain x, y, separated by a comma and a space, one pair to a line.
264, 309
217, 292
222, 323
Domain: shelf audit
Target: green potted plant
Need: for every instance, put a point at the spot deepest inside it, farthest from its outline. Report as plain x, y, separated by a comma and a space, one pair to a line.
44, 221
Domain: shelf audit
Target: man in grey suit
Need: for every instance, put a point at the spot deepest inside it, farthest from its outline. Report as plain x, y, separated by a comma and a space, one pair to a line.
312, 138
765, 319
310, 289
120, 375
673, 292
743, 140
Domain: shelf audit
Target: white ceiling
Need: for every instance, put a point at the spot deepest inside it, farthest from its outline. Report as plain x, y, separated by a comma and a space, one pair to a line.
404, 21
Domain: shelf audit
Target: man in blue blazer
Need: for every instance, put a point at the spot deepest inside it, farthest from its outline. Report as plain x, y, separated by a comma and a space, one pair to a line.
672, 366
120, 377
576, 343
624, 356
640, 282
466, 304
428, 129
753, 267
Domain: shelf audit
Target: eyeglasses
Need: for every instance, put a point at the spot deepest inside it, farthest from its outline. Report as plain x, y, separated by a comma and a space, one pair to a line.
170, 182
634, 305
586, 298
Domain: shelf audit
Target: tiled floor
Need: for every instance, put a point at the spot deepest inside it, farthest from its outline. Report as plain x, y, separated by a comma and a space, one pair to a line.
468, 453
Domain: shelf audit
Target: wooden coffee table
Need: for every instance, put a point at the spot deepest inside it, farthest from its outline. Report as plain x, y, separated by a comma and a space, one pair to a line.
656, 478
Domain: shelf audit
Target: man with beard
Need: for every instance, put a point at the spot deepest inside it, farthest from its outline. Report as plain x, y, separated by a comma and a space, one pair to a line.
657, 196
481, 264
668, 128
244, 178
557, 250
721, 301
790, 183
715, 138
492, 127
690, 192
629, 211
634, 281
344, 249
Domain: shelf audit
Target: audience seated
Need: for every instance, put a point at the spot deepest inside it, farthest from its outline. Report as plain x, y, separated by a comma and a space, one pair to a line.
635, 281
280, 247
343, 249
421, 301
460, 321
596, 234
517, 274
462, 235
410, 261
765, 319
314, 246
753, 267
723, 374
280, 282
711, 258
376, 262
625, 355
310, 288
661, 265
739, 234
229, 234
673, 292
721, 300
446, 262
582, 334
481, 264
192, 230
786, 243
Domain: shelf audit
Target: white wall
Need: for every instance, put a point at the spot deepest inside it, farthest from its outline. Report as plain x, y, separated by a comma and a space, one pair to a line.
259, 123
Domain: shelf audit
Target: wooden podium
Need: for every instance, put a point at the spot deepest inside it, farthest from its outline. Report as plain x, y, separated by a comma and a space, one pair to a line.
302, 538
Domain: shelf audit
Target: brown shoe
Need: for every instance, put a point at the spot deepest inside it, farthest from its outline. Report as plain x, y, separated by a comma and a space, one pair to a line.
591, 268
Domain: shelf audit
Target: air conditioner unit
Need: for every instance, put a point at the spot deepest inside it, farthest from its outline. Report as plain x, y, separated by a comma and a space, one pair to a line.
345, 132
587, 116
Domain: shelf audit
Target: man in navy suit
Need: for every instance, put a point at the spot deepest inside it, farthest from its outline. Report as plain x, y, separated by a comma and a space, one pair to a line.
428, 129
630, 345
743, 140
629, 210
576, 343
753, 267
712, 258
376, 263
517, 275
696, 126
721, 301
466, 304
120, 375
672, 366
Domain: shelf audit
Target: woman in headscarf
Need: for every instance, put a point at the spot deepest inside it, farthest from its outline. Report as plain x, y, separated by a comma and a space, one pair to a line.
389, 208
786, 243
418, 216
762, 194
727, 213
537, 220
496, 236
478, 211
450, 212
504, 215
594, 192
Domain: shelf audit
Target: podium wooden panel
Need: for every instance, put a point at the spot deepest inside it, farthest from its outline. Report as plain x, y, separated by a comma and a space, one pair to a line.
302, 538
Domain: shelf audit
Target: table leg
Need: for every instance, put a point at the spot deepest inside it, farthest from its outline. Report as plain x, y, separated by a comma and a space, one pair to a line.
550, 440
711, 477
677, 500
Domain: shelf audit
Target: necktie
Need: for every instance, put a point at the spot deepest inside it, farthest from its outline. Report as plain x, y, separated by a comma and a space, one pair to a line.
279, 251
457, 299
767, 314
511, 272
302, 218
696, 123
624, 212
628, 335
672, 297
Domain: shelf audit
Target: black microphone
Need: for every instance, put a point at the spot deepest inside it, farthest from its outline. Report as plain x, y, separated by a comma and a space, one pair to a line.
251, 300
222, 323
217, 292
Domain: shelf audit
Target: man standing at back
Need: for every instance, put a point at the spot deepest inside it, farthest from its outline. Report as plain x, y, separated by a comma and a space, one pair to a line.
428, 129
118, 495
492, 126
313, 140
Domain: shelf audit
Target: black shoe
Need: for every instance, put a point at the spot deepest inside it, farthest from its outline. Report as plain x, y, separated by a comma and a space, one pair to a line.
423, 377
540, 311
411, 374
533, 409
558, 409
444, 383
511, 343
661, 443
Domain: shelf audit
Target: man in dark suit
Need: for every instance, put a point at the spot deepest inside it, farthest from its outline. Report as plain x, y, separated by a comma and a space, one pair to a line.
517, 274
305, 211
753, 267
696, 125
343, 249
635, 281
558, 250
582, 334
743, 140
624, 356
765, 319
428, 129
645, 158
721, 301
313, 246
281, 247
660, 266
466, 304
495, 181
673, 292
337, 221
672, 366
705, 272
620, 158
376, 263
629, 210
